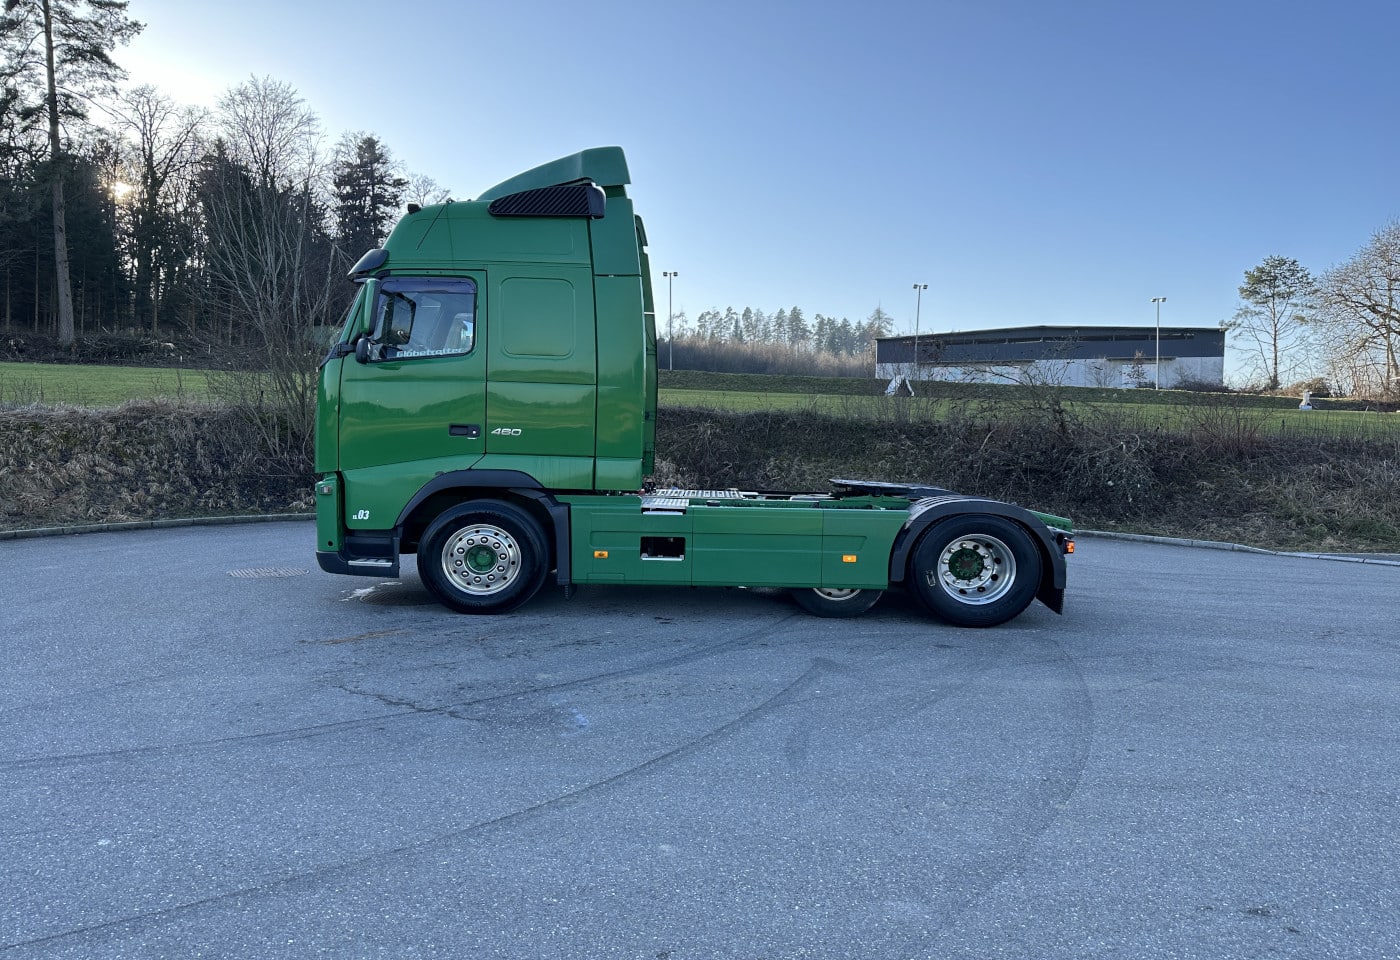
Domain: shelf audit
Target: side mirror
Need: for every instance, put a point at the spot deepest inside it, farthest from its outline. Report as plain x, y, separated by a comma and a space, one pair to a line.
369, 297
362, 346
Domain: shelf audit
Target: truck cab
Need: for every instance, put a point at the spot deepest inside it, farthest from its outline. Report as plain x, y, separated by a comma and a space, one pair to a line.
502, 341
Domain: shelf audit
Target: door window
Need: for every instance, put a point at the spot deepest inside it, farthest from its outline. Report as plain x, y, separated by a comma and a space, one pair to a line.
425, 318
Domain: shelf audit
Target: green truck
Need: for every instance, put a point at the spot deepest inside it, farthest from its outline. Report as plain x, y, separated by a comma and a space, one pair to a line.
490, 406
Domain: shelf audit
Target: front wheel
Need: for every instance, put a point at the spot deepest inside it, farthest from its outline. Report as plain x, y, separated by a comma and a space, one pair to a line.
976, 571
488, 557
827, 602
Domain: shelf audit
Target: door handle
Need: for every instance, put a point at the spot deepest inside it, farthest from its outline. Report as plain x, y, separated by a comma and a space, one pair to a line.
472, 431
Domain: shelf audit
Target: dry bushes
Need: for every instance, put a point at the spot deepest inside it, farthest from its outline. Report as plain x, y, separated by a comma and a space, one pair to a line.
1216, 476
140, 461
1220, 478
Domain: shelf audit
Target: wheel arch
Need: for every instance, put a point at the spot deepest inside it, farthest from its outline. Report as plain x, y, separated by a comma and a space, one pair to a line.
457, 490
928, 513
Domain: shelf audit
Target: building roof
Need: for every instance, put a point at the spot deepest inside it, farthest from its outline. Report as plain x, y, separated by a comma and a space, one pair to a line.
1019, 344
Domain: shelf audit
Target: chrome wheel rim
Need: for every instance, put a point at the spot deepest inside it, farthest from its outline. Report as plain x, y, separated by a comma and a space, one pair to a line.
976, 570
481, 559
837, 594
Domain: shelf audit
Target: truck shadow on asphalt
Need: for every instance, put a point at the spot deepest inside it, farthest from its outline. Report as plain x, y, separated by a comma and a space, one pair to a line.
696, 602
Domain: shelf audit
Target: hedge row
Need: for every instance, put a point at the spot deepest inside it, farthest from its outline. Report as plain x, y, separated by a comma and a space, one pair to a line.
1216, 479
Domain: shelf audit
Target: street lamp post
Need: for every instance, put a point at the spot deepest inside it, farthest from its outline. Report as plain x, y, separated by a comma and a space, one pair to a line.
919, 289
670, 276
1157, 370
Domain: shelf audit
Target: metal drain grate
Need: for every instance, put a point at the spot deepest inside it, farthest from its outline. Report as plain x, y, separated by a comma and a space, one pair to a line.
267, 573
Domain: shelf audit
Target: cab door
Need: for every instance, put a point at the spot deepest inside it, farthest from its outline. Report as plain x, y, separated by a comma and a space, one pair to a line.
413, 399
542, 398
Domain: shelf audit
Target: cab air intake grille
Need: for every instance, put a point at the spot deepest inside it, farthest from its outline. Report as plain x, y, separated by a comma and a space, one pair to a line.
565, 200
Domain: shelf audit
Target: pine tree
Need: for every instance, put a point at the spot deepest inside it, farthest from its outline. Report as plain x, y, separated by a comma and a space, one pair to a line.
731, 326
59, 52
878, 324
780, 326
763, 329
798, 333
846, 335
1275, 300
368, 193
750, 328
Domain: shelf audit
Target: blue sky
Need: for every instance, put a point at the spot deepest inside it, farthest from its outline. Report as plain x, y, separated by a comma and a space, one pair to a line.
1031, 162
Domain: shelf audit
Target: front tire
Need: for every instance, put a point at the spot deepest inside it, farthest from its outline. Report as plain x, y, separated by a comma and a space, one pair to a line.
825, 602
485, 557
976, 571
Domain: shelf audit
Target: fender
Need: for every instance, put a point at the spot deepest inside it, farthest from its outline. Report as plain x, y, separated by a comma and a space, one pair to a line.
929, 511
520, 485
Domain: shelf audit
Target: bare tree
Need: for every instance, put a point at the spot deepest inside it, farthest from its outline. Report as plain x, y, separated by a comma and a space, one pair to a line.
166, 140
1360, 313
271, 265
424, 190
271, 131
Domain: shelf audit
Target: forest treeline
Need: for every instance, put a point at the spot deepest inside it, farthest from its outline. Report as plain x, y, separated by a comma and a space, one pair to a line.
122, 209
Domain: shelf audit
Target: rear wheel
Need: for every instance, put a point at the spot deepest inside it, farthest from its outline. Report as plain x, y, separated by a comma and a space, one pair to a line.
827, 602
976, 571
488, 557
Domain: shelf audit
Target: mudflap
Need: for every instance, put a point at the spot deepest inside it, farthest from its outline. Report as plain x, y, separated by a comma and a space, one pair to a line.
1052, 596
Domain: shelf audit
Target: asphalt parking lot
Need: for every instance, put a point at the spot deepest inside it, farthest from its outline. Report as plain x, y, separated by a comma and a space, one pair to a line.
208, 748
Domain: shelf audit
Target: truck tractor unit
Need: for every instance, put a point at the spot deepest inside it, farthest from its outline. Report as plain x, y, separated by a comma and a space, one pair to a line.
490, 406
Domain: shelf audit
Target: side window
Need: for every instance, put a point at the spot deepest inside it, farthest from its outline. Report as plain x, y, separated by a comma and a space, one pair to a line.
425, 318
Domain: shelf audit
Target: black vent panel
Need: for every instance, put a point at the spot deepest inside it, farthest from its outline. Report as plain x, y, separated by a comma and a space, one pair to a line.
564, 200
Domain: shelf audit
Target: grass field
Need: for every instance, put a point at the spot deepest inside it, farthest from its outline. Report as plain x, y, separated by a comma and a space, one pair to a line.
76, 385
80, 385
1208, 410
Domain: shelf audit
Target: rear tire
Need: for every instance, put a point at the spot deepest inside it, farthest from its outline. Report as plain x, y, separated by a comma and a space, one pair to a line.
825, 602
975, 571
485, 557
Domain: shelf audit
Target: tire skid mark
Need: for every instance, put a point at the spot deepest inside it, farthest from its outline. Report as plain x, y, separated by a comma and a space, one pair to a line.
197, 670
1062, 789
457, 711
879, 714
790, 694
185, 672
287, 735
466, 710
974, 661
653, 666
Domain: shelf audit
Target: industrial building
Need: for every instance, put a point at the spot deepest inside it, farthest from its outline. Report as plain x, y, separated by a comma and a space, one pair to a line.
1068, 356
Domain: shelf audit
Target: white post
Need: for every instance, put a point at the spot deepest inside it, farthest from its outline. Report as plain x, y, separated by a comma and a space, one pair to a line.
919, 289
1157, 375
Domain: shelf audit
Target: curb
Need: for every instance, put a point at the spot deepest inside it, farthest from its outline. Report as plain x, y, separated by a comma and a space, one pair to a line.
149, 525
1383, 559
1380, 559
